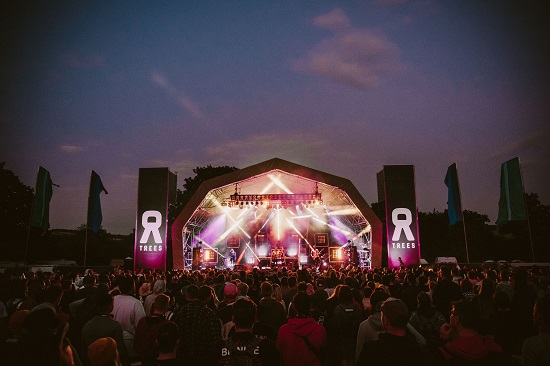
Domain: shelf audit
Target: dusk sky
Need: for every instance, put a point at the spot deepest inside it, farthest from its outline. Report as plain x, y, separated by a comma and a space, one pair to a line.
344, 87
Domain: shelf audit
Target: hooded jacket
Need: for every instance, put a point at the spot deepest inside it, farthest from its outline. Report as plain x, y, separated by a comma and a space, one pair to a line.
291, 343
159, 287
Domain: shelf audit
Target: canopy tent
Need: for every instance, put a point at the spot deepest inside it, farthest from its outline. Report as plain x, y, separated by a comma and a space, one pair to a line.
238, 204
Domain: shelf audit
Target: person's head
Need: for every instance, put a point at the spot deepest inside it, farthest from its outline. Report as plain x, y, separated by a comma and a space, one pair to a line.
230, 292
244, 313
395, 314
376, 299
302, 286
103, 352
465, 314
53, 295
242, 289
104, 303
424, 300
466, 286
266, 289
205, 293
161, 304
159, 287
168, 338
302, 304
126, 285
345, 295
292, 281
445, 272
89, 281
191, 292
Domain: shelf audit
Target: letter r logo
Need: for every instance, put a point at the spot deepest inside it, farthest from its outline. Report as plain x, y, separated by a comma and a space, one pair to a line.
402, 224
151, 227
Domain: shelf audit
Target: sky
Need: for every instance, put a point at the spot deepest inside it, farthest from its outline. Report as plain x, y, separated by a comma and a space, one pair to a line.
344, 87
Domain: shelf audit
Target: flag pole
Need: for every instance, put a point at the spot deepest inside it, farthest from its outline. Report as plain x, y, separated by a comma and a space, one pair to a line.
527, 212
30, 219
87, 221
463, 219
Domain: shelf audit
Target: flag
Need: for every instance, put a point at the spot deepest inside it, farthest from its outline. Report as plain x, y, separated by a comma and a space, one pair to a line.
454, 202
94, 202
41, 204
511, 205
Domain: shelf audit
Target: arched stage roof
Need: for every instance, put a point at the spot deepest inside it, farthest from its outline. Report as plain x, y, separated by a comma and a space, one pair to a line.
342, 202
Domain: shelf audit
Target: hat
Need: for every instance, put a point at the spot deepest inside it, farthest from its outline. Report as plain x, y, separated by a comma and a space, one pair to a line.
230, 289
102, 351
396, 311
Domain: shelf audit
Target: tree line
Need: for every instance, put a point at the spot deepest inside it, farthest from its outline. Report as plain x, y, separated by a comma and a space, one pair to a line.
510, 241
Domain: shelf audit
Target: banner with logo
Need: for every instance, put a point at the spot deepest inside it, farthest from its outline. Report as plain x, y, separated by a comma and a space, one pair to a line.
156, 187
398, 190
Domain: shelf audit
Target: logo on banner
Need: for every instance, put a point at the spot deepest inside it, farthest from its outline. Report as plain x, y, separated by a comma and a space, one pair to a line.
151, 228
402, 219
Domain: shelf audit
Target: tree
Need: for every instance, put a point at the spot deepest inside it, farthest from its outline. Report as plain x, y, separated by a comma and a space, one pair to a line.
516, 236
191, 185
15, 210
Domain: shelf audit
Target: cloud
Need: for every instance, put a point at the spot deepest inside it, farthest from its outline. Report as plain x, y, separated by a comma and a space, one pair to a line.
354, 56
335, 20
70, 148
390, 2
183, 100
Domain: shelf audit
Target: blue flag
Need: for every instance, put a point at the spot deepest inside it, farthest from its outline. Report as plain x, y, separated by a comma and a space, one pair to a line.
41, 204
454, 201
511, 205
94, 202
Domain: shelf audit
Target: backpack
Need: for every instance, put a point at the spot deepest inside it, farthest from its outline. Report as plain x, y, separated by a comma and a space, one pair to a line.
237, 356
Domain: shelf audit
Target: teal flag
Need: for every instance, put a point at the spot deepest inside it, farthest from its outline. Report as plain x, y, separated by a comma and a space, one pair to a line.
41, 204
454, 202
94, 202
511, 205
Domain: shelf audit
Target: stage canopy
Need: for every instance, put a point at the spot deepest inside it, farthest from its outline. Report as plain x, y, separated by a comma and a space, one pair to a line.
272, 203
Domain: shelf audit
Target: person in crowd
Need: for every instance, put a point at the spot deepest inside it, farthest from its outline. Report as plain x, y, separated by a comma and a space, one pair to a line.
410, 293
147, 329
445, 292
467, 290
101, 326
10, 348
370, 328
394, 346
464, 343
427, 320
244, 346
270, 311
302, 341
199, 327
343, 326
292, 290
504, 284
159, 287
485, 302
225, 312
127, 310
502, 323
278, 295
103, 352
89, 286
522, 304
167, 342
536, 349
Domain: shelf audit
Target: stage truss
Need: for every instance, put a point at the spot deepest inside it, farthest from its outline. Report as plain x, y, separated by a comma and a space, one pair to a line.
258, 225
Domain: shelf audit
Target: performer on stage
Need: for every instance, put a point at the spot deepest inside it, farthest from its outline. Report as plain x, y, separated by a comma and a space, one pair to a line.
316, 256
232, 256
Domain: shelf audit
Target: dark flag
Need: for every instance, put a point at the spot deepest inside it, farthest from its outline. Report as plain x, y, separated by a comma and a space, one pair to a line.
41, 204
94, 202
454, 202
511, 205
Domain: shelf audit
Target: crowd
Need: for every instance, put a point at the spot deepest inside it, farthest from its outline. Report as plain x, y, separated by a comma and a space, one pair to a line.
338, 316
